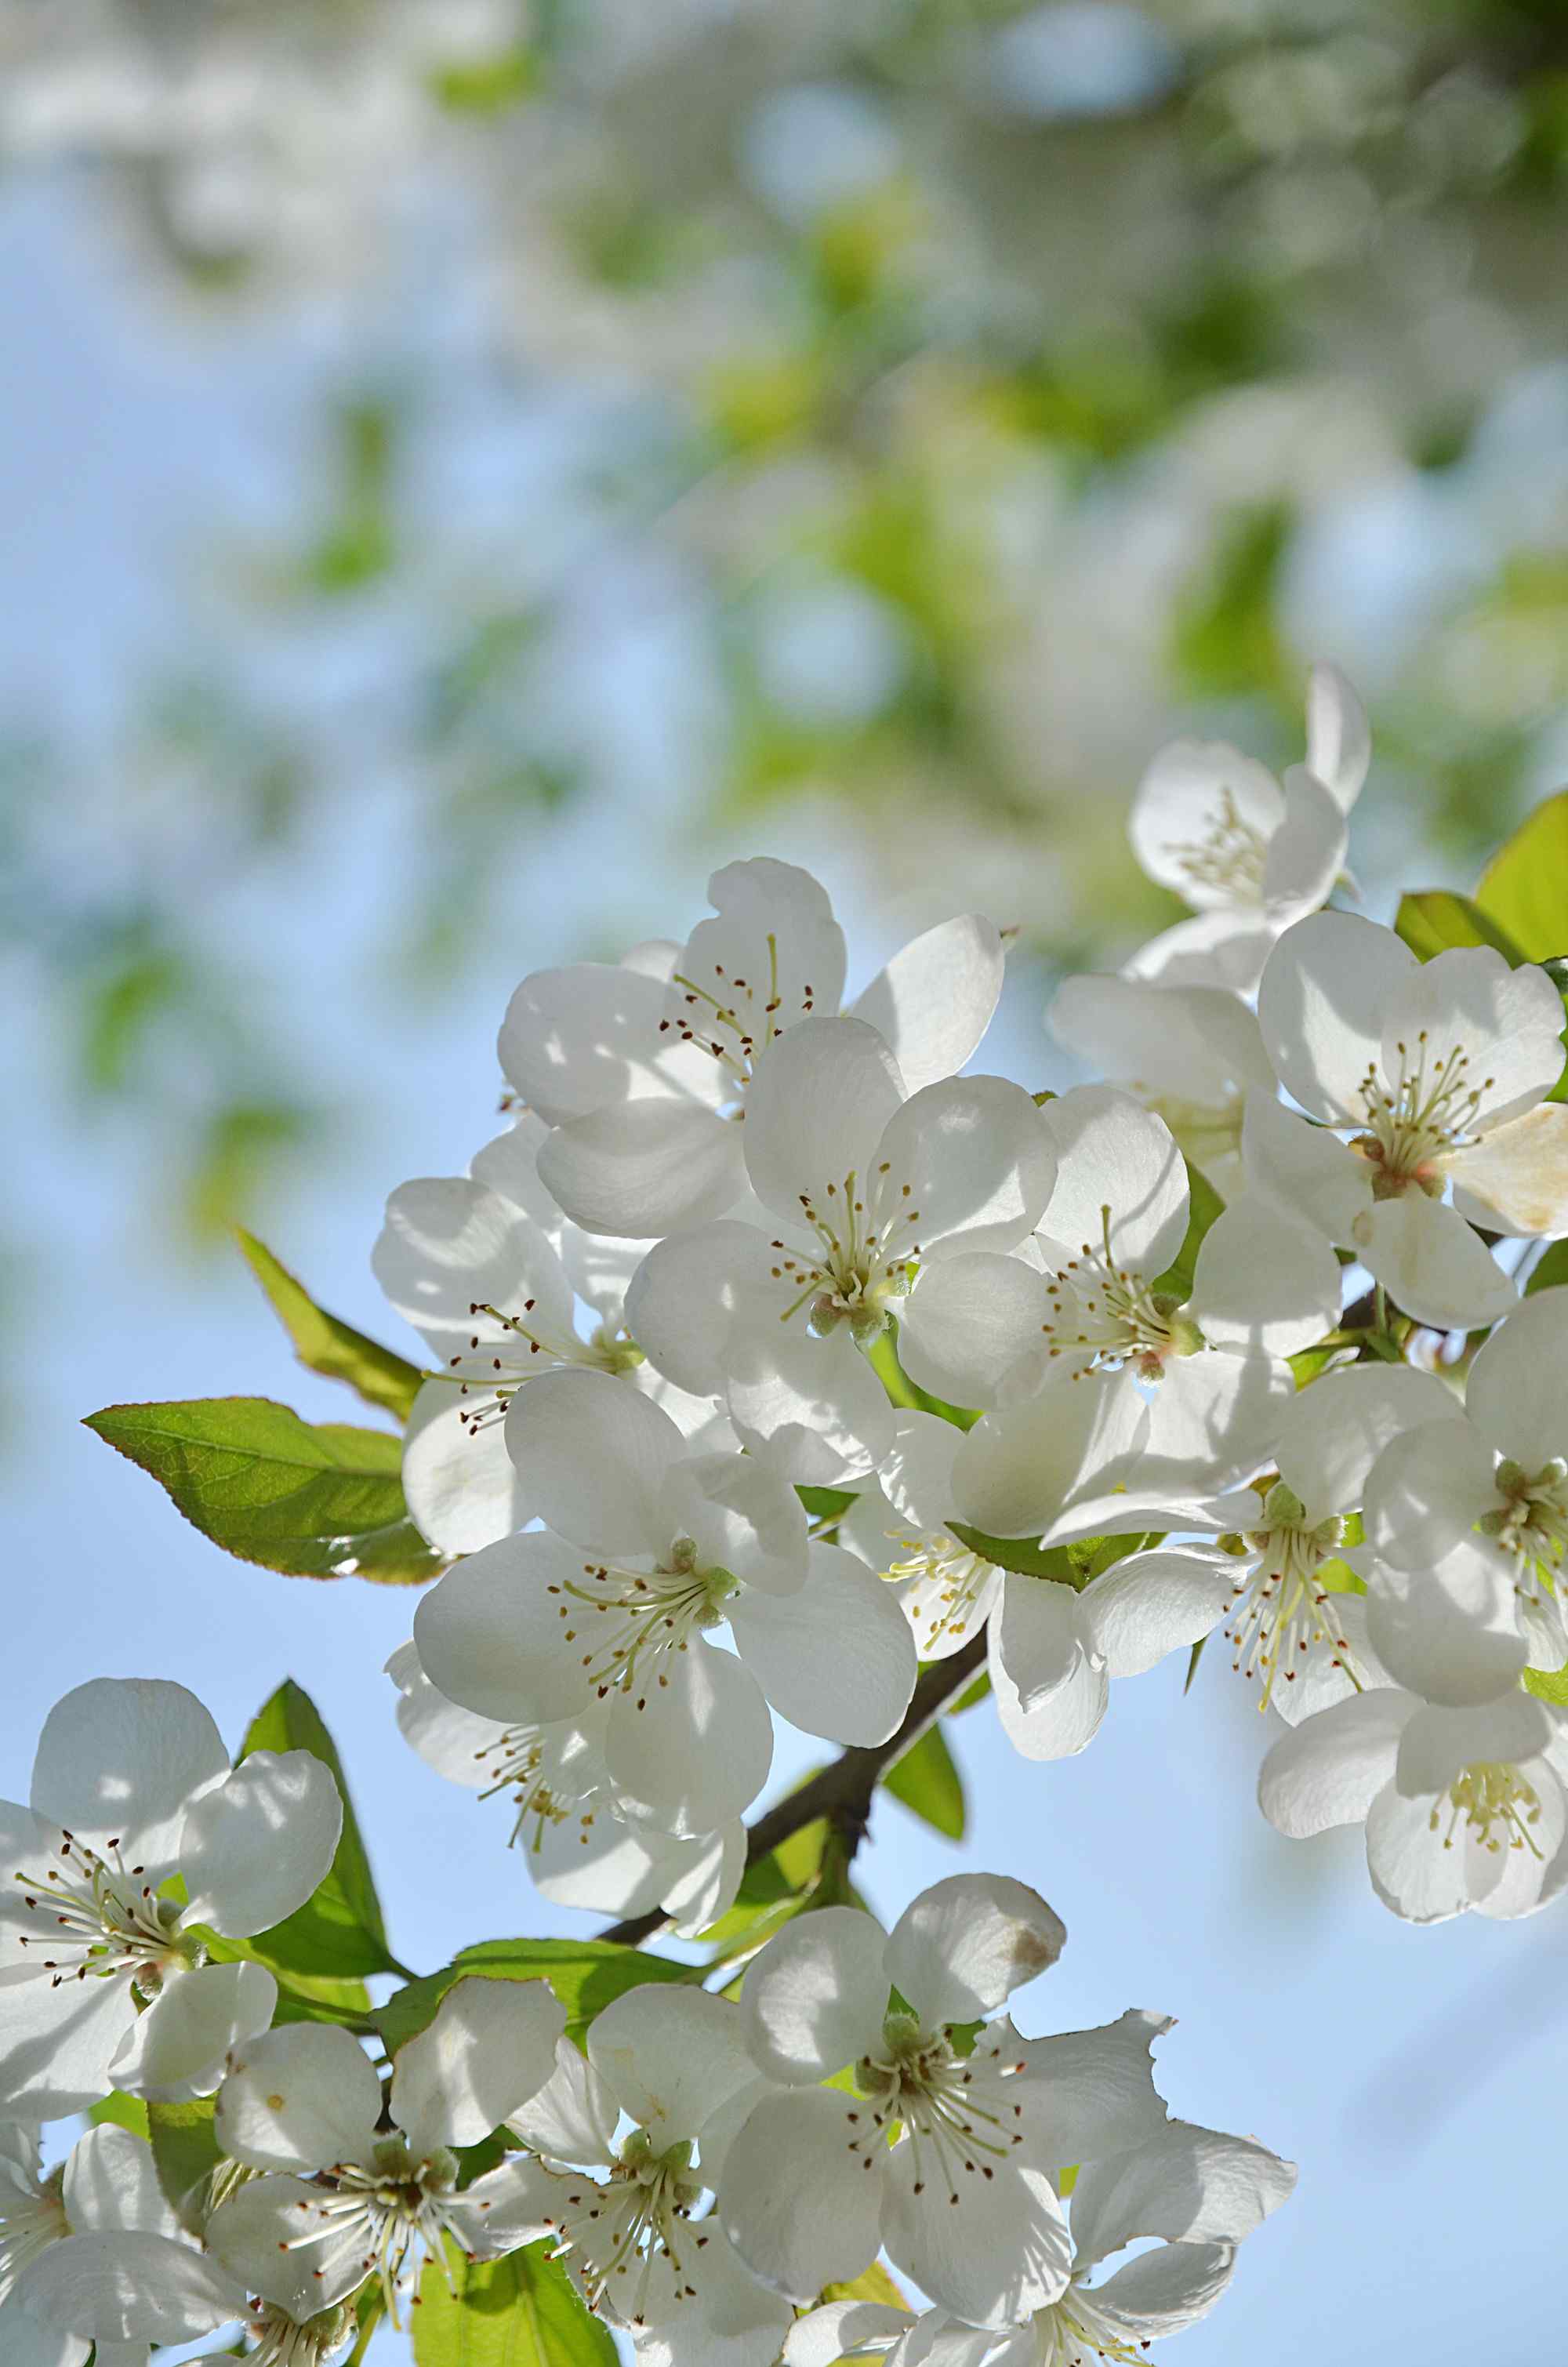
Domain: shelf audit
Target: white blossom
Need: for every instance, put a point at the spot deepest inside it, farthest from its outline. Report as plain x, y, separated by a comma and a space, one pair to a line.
106, 1976
337, 2200
1190, 1053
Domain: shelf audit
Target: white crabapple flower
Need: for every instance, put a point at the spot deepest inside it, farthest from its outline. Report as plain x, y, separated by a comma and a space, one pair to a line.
106, 1975
1456, 1772
1437, 1071
338, 2199
640, 1070
1197, 2191
91, 2250
629, 2213
1248, 853
1496, 1484
1051, 1649
965, 2202
1086, 1297
871, 1191
650, 1548
1190, 1053
579, 1851
493, 1275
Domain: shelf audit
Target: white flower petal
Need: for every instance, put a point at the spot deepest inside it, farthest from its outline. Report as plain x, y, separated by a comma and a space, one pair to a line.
1187, 2184
509, 1163
973, 1332
797, 2198
490, 2046
815, 1997
1321, 1004
642, 1168
694, 1741
990, 2249
1110, 1152
1059, 1723
961, 1947
301, 2098
1514, 1180
684, 1298
1195, 1043
814, 1407
1306, 854
980, 1162
120, 1758
1518, 1391
121, 2287
490, 1633
111, 2182
1468, 1005
1151, 1604
837, 1659
1224, 950
706, 1886
252, 2237
819, 1099
1450, 1631
30, 2343
826, 2335
1441, 1740
455, 1743
572, 2117
741, 1516
593, 1455
255, 1846
1163, 2291
179, 2048
733, 2322
1026, 1467
1328, 1770
918, 1475
1088, 2092
585, 1038
603, 1866
671, 2056
774, 955
1340, 739
462, 1486
1332, 1434
1264, 1281
1426, 1492
1432, 1265
1303, 1170
508, 2206
1214, 1419
1041, 1637
935, 999
56, 2044
449, 1243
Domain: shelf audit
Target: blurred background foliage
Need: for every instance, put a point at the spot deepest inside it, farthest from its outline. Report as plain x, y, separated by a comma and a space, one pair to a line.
865, 426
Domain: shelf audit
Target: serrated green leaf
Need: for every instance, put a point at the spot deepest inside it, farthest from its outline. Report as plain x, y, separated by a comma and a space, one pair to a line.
1548, 1685
1024, 1554
1524, 889
324, 1501
586, 1975
522, 2311
340, 1929
326, 1345
185, 2154
1431, 920
1204, 1205
928, 1782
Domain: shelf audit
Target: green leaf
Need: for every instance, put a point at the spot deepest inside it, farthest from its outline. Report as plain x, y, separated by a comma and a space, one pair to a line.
826, 1504
340, 1928
1524, 889
522, 2311
325, 1345
1019, 1552
120, 2112
872, 2284
1434, 919
1193, 1658
1204, 1205
185, 2154
928, 1782
586, 1975
1550, 1270
1548, 1685
883, 1358
313, 1502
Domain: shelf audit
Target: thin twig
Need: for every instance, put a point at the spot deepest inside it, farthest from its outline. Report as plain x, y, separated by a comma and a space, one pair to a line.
841, 1792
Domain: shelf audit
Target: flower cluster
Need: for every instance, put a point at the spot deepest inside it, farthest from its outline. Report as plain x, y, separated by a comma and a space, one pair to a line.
782, 1368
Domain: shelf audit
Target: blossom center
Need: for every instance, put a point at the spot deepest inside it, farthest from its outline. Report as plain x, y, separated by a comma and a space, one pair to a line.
1110, 1315
29, 2223
282, 2341
1073, 2329
636, 2225
1279, 1609
492, 1371
949, 1578
514, 1763
651, 1614
1417, 1115
735, 1019
955, 2112
859, 1258
1531, 1522
99, 1919
1229, 858
400, 2208
1496, 1804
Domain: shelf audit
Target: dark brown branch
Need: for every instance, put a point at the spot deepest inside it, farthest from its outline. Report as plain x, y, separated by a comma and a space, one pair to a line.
842, 1791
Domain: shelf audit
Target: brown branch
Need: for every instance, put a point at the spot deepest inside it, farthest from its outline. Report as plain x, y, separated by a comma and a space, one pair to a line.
841, 1792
